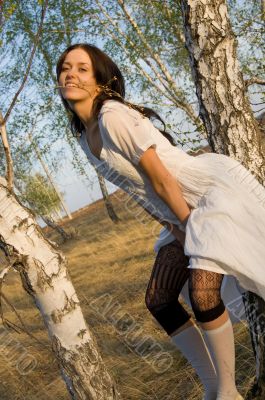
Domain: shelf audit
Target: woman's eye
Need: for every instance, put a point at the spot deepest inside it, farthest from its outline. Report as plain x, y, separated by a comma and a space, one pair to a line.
67, 69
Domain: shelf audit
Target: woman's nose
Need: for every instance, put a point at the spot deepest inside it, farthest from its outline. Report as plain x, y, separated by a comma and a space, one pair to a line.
70, 74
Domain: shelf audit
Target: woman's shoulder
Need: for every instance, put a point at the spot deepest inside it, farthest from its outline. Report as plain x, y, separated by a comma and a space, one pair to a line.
114, 108
111, 105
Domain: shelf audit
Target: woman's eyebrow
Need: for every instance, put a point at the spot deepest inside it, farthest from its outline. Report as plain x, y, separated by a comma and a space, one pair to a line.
80, 63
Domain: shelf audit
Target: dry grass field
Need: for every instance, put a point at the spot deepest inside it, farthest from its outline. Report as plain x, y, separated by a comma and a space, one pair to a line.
110, 265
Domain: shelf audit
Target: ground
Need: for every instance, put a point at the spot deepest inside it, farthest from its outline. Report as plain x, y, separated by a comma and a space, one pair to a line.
109, 265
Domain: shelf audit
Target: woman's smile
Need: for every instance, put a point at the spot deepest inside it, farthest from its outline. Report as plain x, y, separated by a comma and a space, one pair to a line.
71, 88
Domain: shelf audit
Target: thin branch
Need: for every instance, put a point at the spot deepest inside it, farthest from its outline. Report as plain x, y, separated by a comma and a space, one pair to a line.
66, 30
132, 44
257, 111
137, 65
26, 25
257, 104
23, 328
254, 80
43, 12
173, 91
178, 32
64, 15
7, 323
1, 13
9, 162
154, 55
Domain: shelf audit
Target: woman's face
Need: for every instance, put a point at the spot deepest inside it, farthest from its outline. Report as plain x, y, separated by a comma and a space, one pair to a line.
77, 77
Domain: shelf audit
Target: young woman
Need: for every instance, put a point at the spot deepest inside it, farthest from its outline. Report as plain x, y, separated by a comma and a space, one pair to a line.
213, 205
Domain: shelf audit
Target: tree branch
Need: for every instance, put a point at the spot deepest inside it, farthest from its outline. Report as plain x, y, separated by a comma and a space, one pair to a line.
43, 12
254, 80
9, 162
174, 94
154, 55
1, 13
178, 32
3, 120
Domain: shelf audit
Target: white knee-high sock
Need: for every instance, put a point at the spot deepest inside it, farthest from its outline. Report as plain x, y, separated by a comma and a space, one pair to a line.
221, 345
192, 345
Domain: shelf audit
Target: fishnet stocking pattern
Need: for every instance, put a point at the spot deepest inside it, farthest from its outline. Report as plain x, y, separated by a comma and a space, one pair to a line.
204, 289
168, 276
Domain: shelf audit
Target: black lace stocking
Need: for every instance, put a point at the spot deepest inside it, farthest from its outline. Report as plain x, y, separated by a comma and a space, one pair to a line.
205, 294
168, 276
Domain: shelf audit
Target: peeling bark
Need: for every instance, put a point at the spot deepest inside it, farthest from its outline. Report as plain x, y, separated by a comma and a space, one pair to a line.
44, 276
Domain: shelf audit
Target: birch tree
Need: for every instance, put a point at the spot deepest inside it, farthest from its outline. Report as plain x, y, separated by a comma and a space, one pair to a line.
230, 124
43, 270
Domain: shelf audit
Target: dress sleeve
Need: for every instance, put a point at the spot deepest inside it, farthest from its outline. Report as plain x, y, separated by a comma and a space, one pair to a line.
129, 130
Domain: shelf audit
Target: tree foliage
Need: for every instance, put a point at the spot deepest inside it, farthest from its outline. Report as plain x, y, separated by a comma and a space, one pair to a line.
39, 195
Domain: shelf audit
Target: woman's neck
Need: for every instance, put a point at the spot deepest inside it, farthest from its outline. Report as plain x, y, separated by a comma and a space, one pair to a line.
91, 126
84, 111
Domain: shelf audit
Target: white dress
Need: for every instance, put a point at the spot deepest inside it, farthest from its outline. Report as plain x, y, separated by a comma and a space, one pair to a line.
226, 229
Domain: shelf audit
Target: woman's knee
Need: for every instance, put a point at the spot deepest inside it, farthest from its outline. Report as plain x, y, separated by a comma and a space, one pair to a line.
205, 295
167, 279
209, 314
170, 316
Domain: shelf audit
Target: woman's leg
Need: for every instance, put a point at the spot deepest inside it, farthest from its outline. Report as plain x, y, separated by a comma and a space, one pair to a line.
209, 310
168, 276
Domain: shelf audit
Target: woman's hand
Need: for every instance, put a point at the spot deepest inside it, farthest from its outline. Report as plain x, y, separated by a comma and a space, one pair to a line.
174, 229
179, 234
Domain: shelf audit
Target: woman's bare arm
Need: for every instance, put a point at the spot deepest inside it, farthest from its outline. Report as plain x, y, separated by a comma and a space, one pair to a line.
164, 184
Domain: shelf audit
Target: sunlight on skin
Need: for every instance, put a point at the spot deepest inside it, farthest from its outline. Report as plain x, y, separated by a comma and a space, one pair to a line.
77, 70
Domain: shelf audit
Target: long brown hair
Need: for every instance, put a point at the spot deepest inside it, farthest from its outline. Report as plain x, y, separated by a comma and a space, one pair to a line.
109, 78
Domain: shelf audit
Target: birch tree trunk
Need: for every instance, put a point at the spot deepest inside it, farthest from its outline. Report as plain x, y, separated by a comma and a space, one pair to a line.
49, 222
110, 209
44, 276
224, 107
230, 124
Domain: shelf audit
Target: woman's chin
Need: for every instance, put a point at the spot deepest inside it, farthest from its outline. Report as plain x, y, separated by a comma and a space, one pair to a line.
71, 97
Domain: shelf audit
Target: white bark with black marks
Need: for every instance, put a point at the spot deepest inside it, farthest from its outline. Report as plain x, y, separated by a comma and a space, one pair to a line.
229, 121
44, 275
